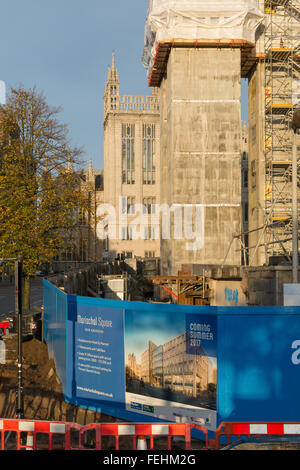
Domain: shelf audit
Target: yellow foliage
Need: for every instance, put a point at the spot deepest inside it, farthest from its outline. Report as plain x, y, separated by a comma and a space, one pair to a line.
38, 197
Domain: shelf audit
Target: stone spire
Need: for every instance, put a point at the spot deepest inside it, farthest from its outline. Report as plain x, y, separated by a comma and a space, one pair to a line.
69, 165
90, 170
111, 95
113, 71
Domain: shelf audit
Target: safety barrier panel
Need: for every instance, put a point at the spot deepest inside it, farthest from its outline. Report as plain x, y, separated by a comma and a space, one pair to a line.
32, 435
49, 435
53, 435
139, 431
236, 430
4, 325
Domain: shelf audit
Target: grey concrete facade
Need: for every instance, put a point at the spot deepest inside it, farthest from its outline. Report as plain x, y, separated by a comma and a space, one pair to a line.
201, 150
256, 161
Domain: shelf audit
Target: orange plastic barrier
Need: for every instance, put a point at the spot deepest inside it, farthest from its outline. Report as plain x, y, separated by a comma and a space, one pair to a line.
237, 430
52, 435
30, 434
4, 325
141, 430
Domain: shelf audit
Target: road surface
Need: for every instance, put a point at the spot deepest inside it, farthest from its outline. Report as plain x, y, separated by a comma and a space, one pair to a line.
7, 297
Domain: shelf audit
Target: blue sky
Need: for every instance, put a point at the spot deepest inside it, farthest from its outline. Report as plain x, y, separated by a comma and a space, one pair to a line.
64, 47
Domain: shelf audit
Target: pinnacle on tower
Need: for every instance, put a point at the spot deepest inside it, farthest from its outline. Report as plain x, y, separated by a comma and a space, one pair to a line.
113, 71
90, 169
111, 95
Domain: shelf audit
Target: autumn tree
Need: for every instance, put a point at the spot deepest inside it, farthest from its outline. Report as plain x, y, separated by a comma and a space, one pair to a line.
39, 191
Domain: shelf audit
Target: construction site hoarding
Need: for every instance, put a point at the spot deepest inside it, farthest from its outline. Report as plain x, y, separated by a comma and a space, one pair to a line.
149, 362
198, 20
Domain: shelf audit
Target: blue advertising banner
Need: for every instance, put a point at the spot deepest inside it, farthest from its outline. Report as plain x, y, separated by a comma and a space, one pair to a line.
178, 363
168, 376
258, 370
95, 360
201, 334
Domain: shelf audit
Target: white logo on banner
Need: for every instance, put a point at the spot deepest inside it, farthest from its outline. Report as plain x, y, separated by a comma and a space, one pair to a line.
296, 354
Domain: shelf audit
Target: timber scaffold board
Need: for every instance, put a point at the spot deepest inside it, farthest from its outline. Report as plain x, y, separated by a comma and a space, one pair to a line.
249, 58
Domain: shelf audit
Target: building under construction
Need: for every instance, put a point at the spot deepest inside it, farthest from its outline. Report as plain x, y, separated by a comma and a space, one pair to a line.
196, 53
274, 94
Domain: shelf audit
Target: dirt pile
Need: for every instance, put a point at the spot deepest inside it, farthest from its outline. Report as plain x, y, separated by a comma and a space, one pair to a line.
42, 388
38, 369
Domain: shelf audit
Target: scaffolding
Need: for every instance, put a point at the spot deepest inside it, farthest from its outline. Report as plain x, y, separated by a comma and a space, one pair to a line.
282, 93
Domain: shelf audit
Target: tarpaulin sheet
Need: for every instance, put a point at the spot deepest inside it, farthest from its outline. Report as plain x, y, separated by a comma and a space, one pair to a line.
199, 19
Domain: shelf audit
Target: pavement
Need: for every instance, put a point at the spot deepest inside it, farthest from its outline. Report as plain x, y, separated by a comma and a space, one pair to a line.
7, 296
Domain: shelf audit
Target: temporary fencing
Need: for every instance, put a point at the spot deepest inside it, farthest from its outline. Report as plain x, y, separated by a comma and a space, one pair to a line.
140, 433
232, 431
33, 435
53, 435
4, 325
49, 435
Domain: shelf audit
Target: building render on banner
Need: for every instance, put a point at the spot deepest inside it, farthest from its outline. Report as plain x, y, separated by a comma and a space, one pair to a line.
168, 366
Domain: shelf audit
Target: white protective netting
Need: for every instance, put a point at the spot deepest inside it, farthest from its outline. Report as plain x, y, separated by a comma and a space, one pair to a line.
199, 19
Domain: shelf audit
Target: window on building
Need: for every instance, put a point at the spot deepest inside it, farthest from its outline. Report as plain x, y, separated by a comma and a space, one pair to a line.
253, 174
130, 205
148, 153
246, 211
82, 216
253, 134
99, 183
70, 253
149, 254
113, 99
128, 154
127, 233
124, 233
83, 249
245, 178
149, 205
106, 243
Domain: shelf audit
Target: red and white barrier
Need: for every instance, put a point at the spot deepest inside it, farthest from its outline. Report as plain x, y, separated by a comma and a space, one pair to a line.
4, 325
30, 428
142, 434
147, 430
235, 430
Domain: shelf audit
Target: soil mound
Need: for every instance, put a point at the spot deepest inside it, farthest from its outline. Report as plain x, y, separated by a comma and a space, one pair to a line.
38, 370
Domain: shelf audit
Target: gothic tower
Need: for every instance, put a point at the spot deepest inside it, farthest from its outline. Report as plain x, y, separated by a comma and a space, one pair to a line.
131, 168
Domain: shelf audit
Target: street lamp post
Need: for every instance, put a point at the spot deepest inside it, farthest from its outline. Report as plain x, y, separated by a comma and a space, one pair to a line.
18, 310
295, 127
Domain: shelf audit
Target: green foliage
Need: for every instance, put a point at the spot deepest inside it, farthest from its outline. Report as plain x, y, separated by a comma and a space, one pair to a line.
40, 193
